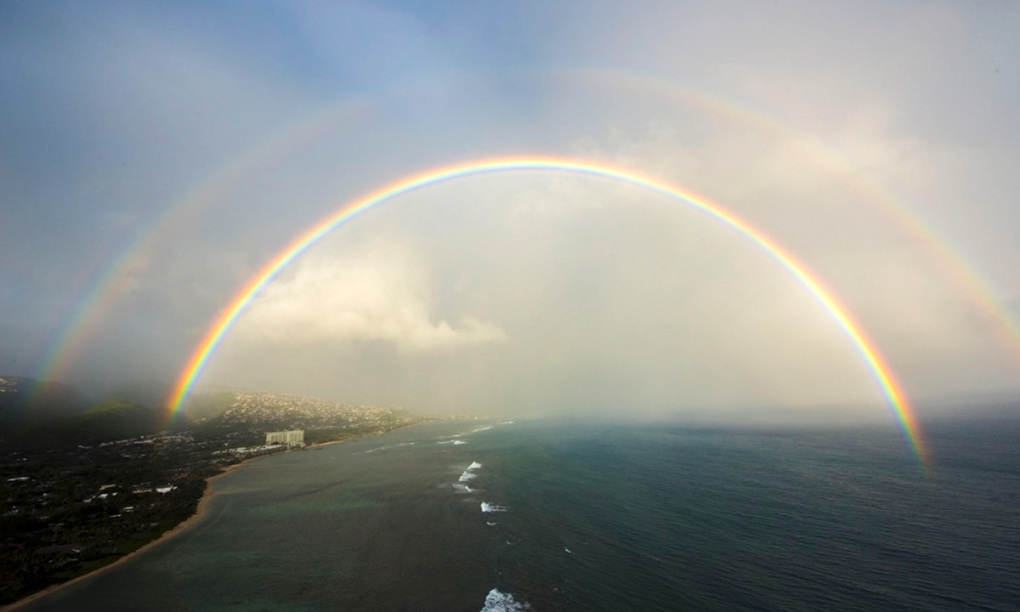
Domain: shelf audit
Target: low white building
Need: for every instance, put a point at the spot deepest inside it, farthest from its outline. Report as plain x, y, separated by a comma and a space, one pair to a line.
290, 438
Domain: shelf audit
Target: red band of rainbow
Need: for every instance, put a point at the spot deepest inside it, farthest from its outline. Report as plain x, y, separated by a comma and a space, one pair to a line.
883, 376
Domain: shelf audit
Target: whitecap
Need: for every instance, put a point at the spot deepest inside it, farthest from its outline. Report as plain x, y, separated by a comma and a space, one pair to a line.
388, 447
497, 601
489, 508
468, 473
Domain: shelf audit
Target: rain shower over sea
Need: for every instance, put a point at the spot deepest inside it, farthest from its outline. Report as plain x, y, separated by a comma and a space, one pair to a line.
537, 515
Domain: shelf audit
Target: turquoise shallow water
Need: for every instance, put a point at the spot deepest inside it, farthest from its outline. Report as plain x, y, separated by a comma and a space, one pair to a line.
596, 517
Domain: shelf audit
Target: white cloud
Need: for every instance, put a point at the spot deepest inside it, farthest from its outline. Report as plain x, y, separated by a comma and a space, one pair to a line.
378, 295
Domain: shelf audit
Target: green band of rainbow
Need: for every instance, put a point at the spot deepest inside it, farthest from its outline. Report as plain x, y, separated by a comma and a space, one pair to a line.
887, 383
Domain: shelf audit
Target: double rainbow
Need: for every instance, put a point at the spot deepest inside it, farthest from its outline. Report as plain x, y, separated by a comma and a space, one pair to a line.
109, 282
880, 371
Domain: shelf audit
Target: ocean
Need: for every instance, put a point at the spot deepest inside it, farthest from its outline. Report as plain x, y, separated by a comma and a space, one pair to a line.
542, 515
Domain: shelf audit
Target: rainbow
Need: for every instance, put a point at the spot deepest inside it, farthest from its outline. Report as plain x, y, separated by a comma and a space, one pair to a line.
114, 280
83, 316
969, 278
890, 388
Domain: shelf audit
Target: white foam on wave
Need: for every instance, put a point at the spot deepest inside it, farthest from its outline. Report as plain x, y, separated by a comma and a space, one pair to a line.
461, 488
388, 446
469, 474
497, 601
454, 442
490, 508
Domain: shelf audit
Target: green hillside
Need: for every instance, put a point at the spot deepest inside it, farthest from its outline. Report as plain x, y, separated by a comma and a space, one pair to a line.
112, 420
27, 403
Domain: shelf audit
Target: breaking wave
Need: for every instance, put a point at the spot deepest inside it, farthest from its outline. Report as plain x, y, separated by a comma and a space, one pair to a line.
469, 472
489, 508
497, 601
387, 447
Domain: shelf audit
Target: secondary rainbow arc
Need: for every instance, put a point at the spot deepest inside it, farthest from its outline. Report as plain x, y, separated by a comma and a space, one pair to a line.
84, 314
882, 374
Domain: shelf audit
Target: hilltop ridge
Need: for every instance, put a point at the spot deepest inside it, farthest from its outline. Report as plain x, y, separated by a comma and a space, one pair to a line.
36, 414
251, 408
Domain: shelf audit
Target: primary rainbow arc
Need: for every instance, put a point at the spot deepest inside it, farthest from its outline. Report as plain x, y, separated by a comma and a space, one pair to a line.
83, 315
887, 383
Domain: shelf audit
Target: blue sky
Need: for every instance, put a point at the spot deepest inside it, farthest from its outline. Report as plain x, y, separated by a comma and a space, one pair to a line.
198, 139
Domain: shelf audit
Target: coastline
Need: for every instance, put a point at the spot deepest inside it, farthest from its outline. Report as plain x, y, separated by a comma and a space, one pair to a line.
319, 445
331, 442
177, 529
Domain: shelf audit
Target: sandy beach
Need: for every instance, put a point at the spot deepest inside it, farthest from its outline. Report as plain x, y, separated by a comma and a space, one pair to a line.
177, 530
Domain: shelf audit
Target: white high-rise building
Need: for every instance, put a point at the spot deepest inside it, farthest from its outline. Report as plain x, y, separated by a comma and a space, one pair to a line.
290, 438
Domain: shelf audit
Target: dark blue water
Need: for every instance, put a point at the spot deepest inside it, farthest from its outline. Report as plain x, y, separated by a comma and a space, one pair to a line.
598, 517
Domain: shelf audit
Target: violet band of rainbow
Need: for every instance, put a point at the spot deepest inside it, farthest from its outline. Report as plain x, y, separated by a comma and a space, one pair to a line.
879, 369
85, 313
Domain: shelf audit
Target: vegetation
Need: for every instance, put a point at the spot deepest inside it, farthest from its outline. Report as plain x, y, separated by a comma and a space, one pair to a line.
82, 491
27, 403
113, 420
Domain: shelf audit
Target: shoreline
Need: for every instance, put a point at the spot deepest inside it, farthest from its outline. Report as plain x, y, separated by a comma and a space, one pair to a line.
175, 531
